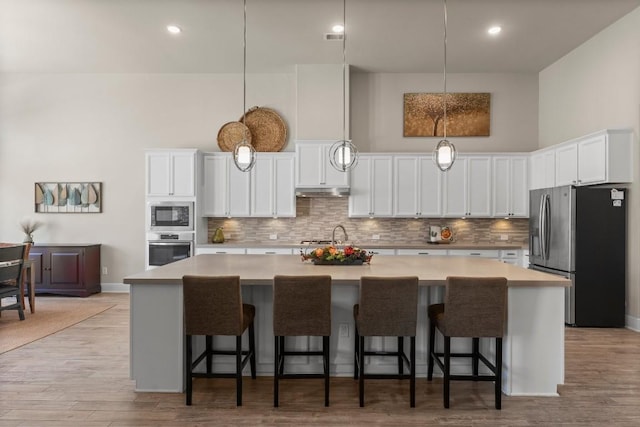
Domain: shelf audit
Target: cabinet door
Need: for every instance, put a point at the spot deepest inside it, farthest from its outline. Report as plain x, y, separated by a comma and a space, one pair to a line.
430, 191
36, 256
310, 165
406, 186
542, 170
183, 173
382, 186
566, 165
158, 174
455, 194
501, 186
262, 186
479, 186
238, 190
510, 190
215, 186
284, 186
519, 187
360, 191
592, 156
65, 268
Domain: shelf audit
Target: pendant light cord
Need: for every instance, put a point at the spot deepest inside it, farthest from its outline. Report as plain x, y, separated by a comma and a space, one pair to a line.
444, 125
344, 70
244, 70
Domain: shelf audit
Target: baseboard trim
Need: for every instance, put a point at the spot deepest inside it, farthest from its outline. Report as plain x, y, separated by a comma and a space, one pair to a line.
633, 323
114, 287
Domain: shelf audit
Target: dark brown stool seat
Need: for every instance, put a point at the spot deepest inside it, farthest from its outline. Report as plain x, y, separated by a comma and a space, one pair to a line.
301, 307
388, 307
213, 306
474, 307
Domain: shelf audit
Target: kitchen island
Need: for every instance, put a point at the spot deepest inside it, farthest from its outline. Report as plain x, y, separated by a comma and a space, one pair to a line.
533, 348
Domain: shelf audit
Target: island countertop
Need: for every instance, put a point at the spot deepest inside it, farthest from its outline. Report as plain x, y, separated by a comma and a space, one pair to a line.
260, 269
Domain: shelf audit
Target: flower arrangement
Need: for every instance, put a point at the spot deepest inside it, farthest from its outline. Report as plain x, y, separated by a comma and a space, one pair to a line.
334, 256
28, 227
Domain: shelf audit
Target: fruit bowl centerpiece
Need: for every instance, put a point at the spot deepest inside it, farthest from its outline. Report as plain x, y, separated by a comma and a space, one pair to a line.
330, 255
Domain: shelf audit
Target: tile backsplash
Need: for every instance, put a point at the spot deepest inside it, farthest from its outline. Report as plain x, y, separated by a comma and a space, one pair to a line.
316, 218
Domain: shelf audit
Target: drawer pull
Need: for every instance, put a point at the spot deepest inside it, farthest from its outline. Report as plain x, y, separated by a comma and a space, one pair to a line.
475, 253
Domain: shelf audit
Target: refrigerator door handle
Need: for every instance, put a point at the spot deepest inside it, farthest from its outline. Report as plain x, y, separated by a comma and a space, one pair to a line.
547, 225
541, 225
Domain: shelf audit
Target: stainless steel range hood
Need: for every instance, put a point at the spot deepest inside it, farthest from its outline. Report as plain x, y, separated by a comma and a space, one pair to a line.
322, 192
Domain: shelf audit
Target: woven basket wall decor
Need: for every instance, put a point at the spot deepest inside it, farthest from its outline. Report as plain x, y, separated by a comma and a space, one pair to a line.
231, 133
268, 130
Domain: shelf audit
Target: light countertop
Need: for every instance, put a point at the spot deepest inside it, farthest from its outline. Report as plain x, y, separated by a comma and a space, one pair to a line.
368, 245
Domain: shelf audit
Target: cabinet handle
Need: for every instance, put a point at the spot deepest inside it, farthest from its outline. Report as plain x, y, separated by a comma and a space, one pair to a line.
270, 253
475, 253
423, 253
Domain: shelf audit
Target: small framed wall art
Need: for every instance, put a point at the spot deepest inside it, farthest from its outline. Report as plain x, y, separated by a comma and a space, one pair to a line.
468, 114
68, 197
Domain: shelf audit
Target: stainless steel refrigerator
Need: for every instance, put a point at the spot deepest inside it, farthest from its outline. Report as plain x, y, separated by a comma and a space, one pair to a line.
580, 233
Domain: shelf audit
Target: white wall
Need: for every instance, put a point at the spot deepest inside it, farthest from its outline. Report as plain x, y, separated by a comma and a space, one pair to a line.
95, 127
597, 86
377, 110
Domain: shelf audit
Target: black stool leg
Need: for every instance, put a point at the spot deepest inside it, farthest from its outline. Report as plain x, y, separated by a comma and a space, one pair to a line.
400, 361
475, 355
447, 367
325, 359
282, 355
498, 373
187, 365
356, 352
209, 361
432, 349
361, 370
412, 386
239, 370
252, 350
276, 370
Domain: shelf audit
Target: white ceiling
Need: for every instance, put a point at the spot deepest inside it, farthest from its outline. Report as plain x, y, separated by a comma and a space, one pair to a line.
129, 36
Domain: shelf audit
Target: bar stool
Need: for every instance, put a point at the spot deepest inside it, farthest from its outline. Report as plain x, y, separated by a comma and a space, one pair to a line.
388, 307
301, 307
213, 306
473, 307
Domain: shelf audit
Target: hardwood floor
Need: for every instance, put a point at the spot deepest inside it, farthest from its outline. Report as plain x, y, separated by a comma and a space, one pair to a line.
80, 377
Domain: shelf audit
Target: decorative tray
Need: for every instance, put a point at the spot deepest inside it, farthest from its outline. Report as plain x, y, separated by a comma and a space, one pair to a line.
267, 128
231, 133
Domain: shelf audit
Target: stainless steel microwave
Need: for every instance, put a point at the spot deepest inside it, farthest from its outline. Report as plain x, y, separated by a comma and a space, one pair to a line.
170, 216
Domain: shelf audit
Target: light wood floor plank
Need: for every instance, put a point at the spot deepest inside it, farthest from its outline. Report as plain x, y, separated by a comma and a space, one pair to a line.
80, 377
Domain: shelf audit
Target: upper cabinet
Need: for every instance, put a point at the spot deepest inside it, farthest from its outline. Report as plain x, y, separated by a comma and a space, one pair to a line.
265, 191
542, 169
467, 187
418, 187
313, 168
510, 186
602, 157
226, 188
272, 185
372, 187
170, 173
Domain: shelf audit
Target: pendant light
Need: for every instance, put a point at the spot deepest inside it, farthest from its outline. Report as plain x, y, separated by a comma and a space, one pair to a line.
343, 154
445, 152
244, 155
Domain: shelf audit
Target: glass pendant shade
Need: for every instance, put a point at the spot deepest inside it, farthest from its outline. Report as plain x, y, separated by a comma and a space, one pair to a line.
244, 155
343, 155
444, 155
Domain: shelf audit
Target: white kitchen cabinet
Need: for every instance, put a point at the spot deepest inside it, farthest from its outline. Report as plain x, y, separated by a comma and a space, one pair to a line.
220, 250
371, 193
431, 252
313, 168
272, 186
602, 157
270, 251
467, 187
542, 169
510, 187
480, 253
170, 173
511, 256
417, 187
226, 188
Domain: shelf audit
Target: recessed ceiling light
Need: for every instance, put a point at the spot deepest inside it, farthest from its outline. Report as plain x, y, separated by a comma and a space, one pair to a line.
174, 29
494, 30
338, 28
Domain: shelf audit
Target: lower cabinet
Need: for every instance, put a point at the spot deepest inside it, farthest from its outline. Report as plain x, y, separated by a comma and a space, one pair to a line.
66, 269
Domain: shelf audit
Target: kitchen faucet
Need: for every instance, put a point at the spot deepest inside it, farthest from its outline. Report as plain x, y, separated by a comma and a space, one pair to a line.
333, 235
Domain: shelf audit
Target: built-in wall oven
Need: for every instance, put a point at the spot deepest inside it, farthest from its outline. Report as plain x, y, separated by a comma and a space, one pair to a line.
170, 216
168, 247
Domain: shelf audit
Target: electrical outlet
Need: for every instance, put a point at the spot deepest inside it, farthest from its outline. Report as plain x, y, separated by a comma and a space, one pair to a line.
504, 237
344, 330
105, 271
375, 237
273, 236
